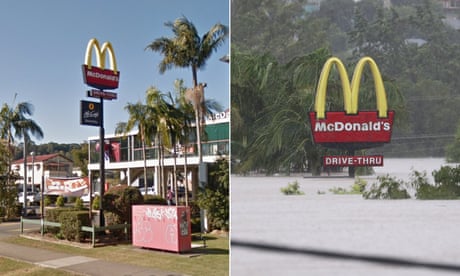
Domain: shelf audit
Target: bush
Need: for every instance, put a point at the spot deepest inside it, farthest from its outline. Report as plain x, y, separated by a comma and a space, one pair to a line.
54, 214
215, 203
71, 222
60, 201
215, 197
388, 188
117, 202
79, 204
292, 189
358, 188
446, 186
195, 219
155, 199
47, 201
96, 203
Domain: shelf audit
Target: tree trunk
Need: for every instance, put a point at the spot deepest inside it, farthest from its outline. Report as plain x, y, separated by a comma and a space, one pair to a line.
185, 175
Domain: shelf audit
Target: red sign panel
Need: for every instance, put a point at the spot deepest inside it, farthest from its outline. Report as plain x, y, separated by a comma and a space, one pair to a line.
162, 227
102, 94
353, 161
363, 127
100, 78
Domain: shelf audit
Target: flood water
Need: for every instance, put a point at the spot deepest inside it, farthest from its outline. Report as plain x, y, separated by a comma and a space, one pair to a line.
322, 233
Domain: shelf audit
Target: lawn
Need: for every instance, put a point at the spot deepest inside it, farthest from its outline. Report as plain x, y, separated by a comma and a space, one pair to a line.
210, 260
17, 268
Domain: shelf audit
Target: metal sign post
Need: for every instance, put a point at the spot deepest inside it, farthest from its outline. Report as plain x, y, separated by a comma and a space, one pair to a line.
101, 163
101, 78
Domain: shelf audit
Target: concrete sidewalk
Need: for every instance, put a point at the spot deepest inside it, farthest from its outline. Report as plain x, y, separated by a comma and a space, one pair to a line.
77, 264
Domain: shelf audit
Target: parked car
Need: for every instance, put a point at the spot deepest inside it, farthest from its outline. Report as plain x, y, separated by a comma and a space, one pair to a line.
150, 190
31, 197
85, 198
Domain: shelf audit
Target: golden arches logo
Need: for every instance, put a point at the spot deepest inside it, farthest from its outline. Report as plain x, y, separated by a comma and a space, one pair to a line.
99, 76
350, 90
100, 54
351, 129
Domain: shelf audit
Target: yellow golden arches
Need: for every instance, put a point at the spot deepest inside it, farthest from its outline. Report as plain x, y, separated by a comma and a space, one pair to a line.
350, 91
100, 55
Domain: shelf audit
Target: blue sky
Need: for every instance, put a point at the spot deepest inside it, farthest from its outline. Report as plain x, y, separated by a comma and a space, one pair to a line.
44, 44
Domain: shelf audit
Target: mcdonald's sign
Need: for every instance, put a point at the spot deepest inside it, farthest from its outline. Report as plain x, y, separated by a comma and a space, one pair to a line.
351, 128
100, 77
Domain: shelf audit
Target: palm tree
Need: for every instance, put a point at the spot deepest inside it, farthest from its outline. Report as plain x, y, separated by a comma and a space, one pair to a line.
139, 116
16, 121
15, 124
188, 49
187, 111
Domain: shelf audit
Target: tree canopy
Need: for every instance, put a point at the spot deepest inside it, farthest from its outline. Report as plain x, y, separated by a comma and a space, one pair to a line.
274, 80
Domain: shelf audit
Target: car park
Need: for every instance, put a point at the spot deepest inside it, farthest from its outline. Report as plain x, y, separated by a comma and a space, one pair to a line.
85, 198
31, 198
150, 190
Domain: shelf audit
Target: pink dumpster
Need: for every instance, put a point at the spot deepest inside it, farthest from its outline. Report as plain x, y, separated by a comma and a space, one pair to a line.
162, 227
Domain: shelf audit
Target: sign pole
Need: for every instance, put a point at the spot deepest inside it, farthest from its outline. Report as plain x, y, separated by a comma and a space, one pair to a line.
101, 163
101, 78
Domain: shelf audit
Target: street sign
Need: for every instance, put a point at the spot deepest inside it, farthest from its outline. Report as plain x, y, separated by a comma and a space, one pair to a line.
102, 94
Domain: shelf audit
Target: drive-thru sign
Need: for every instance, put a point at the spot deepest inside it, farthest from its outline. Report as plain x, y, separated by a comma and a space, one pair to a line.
351, 129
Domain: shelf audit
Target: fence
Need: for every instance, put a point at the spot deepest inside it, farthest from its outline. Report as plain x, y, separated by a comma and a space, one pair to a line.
91, 229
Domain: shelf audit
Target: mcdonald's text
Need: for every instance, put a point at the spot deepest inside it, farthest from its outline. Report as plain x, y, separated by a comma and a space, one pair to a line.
100, 78
353, 161
363, 127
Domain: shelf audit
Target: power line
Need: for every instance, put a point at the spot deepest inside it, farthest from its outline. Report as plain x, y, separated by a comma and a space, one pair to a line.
423, 136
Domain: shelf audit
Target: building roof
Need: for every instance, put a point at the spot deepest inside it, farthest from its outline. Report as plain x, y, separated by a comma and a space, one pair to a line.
41, 158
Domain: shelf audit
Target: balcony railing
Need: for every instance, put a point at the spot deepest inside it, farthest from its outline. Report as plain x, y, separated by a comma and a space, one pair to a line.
213, 148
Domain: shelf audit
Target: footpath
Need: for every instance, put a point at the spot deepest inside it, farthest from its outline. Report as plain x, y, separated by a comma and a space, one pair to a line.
74, 263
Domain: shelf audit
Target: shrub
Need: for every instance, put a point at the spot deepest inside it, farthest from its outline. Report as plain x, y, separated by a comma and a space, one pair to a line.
358, 188
446, 185
78, 204
53, 215
387, 188
71, 222
96, 203
195, 219
117, 202
60, 201
215, 197
155, 199
215, 203
292, 189
47, 201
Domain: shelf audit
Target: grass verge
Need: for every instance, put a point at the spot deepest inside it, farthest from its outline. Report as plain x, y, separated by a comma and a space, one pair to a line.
16, 268
210, 260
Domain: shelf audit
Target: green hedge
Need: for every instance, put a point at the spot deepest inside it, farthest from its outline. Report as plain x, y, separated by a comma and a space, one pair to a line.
71, 222
155, 199
63, 213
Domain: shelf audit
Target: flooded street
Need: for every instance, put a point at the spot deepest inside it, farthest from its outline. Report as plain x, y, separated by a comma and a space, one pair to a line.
322, 233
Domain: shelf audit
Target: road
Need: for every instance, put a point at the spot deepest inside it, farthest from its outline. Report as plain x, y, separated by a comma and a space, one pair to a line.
8, 229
